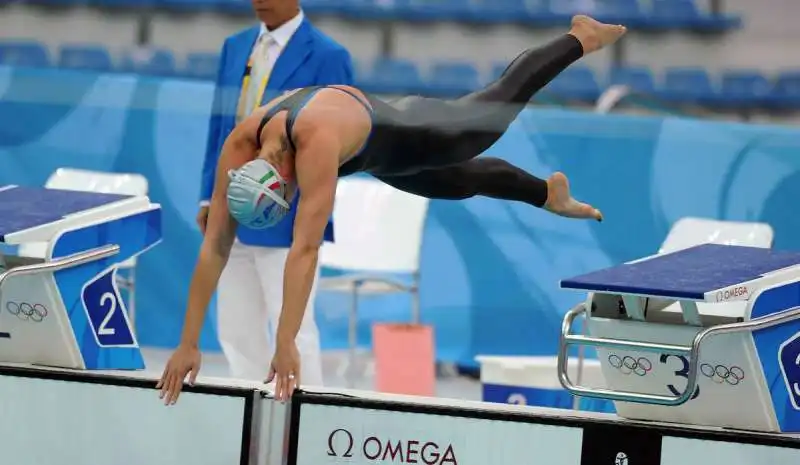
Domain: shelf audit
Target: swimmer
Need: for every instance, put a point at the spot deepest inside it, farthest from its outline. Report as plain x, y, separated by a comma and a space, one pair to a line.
308, 138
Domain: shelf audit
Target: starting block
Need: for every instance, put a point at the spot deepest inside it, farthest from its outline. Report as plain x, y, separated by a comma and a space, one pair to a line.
65, 310
708, 335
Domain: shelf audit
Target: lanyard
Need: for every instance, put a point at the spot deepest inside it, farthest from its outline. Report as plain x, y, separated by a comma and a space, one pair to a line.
262, 85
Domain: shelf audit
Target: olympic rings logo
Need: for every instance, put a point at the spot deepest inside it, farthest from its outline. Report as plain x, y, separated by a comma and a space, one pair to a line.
27, 312
627, 365
720, 373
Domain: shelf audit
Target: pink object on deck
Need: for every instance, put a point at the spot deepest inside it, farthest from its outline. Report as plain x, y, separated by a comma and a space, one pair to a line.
404, 361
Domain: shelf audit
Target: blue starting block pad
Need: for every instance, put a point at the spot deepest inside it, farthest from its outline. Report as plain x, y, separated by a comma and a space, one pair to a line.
62, 306
24, 208
697, 273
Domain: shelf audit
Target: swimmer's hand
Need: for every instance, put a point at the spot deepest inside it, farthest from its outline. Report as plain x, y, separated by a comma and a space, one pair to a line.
185, 361
285, 370
202, 218
560, 201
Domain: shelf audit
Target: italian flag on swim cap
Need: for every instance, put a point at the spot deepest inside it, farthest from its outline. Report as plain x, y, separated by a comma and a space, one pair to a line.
274, 184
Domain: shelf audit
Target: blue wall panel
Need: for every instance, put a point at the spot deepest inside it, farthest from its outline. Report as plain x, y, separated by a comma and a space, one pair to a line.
490, 268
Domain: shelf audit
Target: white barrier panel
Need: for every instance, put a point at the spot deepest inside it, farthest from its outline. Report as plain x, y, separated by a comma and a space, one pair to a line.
59, 417
360, 428
333, 434
695, 452
50, 417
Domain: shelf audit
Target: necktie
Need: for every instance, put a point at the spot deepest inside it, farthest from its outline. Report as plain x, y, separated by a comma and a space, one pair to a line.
259, 74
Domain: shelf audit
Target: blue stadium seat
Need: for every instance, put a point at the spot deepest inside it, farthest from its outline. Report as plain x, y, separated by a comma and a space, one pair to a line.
55, 2
336, 6
511, 11
576, 82
614, 11
122, 3
394, 76
637, 78
191, 5
432, 10
88, 57
786, 92
373, 9
235, 6
155, 62
23, 53
201, 66
743, 88
453, 79
672, 14
675, 13
687, 85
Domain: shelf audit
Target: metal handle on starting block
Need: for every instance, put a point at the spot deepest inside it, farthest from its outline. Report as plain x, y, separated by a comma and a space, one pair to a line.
692, 354
62, 263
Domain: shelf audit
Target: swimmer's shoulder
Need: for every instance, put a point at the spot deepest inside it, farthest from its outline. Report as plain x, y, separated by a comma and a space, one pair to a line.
277, 100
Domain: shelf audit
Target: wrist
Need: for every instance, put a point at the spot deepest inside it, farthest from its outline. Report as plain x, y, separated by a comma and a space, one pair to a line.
188, 343
283, 338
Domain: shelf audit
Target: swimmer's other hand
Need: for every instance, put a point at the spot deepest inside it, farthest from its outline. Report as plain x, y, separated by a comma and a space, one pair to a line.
202, 219
560, 201
184, 361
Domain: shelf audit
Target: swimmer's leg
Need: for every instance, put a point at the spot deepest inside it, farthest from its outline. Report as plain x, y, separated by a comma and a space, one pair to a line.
535, 68
486, 176
496, 178
473, 123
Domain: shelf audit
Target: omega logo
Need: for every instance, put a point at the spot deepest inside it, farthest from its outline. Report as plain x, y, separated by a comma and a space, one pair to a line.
731, 293
341, 443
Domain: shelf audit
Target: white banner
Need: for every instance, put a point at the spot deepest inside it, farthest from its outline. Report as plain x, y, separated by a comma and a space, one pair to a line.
353, 436
49, 422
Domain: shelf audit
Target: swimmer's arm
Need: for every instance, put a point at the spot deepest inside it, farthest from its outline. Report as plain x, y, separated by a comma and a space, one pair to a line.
317, 165
220, 234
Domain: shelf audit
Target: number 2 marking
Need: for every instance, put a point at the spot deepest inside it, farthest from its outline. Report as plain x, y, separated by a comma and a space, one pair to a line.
682, 373
104, 330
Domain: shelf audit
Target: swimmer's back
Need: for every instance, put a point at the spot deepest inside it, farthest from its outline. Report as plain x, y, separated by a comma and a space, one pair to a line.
392, 140
341, 108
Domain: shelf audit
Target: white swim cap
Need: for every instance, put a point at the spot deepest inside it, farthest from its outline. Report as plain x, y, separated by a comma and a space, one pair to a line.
257, 195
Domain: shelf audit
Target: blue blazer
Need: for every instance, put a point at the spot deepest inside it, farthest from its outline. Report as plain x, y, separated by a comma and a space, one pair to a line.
309, 58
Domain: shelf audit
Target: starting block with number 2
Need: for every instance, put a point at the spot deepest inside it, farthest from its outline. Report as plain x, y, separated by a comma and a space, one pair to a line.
65, 310
708, 335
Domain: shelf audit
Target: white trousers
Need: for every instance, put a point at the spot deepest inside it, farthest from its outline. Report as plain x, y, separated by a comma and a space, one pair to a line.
249, 301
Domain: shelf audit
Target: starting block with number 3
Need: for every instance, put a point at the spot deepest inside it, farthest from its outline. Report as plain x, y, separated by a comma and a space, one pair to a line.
708, 335
65, 310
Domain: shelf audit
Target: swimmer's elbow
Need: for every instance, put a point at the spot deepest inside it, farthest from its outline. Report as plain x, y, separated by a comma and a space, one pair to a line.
214, 253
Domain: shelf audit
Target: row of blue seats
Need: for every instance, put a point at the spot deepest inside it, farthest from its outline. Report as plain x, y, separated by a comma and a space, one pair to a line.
658, 14
394, 76
739, 89
735, 89
653, 14
157, 62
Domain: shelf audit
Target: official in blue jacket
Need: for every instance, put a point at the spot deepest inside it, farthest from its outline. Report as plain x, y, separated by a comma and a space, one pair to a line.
284, 52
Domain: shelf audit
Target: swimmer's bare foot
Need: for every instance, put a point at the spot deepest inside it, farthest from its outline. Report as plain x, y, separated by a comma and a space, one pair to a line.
594, 35
560, 201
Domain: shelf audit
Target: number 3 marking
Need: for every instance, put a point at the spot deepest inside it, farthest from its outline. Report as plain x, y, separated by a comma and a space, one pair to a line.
682, 373
104, 330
